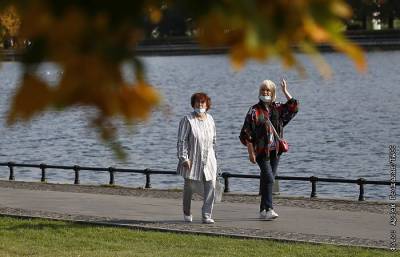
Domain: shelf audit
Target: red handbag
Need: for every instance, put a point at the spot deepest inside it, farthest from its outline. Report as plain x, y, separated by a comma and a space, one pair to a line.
283, 145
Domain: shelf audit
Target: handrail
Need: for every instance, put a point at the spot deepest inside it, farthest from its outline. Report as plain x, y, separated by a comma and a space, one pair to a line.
225, 175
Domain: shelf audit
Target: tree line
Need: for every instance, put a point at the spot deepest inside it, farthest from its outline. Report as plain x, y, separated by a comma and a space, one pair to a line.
175, 22
364, 10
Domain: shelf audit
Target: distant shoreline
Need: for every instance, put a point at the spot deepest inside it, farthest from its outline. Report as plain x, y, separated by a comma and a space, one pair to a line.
384, 40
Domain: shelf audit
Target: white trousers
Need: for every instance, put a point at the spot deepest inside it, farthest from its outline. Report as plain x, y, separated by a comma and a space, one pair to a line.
208, 196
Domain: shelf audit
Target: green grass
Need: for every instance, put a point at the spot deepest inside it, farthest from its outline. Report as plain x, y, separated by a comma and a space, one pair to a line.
37, 237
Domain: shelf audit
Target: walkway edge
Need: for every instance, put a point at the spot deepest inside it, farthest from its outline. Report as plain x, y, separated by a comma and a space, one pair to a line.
306, 202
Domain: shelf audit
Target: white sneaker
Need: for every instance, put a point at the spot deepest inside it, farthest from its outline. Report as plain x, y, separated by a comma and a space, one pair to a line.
263, 214
187, 218
208, 221
268, 215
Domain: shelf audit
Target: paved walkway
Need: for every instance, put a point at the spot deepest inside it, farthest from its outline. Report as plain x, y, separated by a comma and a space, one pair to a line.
343, 227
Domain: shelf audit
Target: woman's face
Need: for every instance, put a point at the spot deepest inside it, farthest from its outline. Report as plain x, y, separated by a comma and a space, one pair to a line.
200, 104
265, 91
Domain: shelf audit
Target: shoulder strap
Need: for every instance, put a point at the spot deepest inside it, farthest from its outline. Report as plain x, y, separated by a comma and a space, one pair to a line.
273, 128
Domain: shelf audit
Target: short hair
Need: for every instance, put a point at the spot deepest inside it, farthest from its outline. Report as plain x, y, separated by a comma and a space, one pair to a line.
269, 85
200, 97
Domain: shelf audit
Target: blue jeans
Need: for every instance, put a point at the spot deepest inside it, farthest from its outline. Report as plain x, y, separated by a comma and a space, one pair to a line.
268, 168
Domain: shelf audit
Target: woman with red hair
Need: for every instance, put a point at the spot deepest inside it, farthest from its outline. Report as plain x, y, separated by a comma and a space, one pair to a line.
196, 154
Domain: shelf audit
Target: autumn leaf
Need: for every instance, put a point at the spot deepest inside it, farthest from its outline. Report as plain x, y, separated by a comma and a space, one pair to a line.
32, 98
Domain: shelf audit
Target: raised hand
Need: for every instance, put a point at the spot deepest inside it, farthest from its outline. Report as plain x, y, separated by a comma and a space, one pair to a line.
283, 85
285, 90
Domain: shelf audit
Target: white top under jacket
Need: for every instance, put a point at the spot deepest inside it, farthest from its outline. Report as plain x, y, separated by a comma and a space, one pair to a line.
196, 142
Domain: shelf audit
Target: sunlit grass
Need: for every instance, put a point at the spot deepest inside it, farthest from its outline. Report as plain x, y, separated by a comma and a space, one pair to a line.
36, 237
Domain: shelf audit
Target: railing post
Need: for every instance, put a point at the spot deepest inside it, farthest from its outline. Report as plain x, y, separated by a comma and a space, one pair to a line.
11, 167
111, 170
148, 182
43, 167
313, 180
76, 169
225, 175
361, 182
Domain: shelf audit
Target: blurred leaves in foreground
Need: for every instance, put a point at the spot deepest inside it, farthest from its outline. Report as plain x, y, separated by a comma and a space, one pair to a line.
91, 40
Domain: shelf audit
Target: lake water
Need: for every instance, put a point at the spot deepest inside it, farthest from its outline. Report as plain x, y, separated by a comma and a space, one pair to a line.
343, 129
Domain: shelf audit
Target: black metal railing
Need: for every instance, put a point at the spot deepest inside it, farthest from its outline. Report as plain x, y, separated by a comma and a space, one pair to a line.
225, 175
77, 169
361, 182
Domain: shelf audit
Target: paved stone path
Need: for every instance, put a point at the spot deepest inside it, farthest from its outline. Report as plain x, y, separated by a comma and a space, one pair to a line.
349, 223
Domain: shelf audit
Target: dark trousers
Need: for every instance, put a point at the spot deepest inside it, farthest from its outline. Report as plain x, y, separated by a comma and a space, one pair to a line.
268, 168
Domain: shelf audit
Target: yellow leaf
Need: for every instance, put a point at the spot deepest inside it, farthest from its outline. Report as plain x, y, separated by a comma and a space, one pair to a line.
136, 102
315, 32
353, 51
31, 98
341, 9
155, 15
238, 56
319, 62
36, 20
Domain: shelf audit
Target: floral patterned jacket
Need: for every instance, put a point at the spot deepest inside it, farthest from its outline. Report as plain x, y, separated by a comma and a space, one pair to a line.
256, 128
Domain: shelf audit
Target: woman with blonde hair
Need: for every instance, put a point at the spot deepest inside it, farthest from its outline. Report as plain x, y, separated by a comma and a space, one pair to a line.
262, 128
